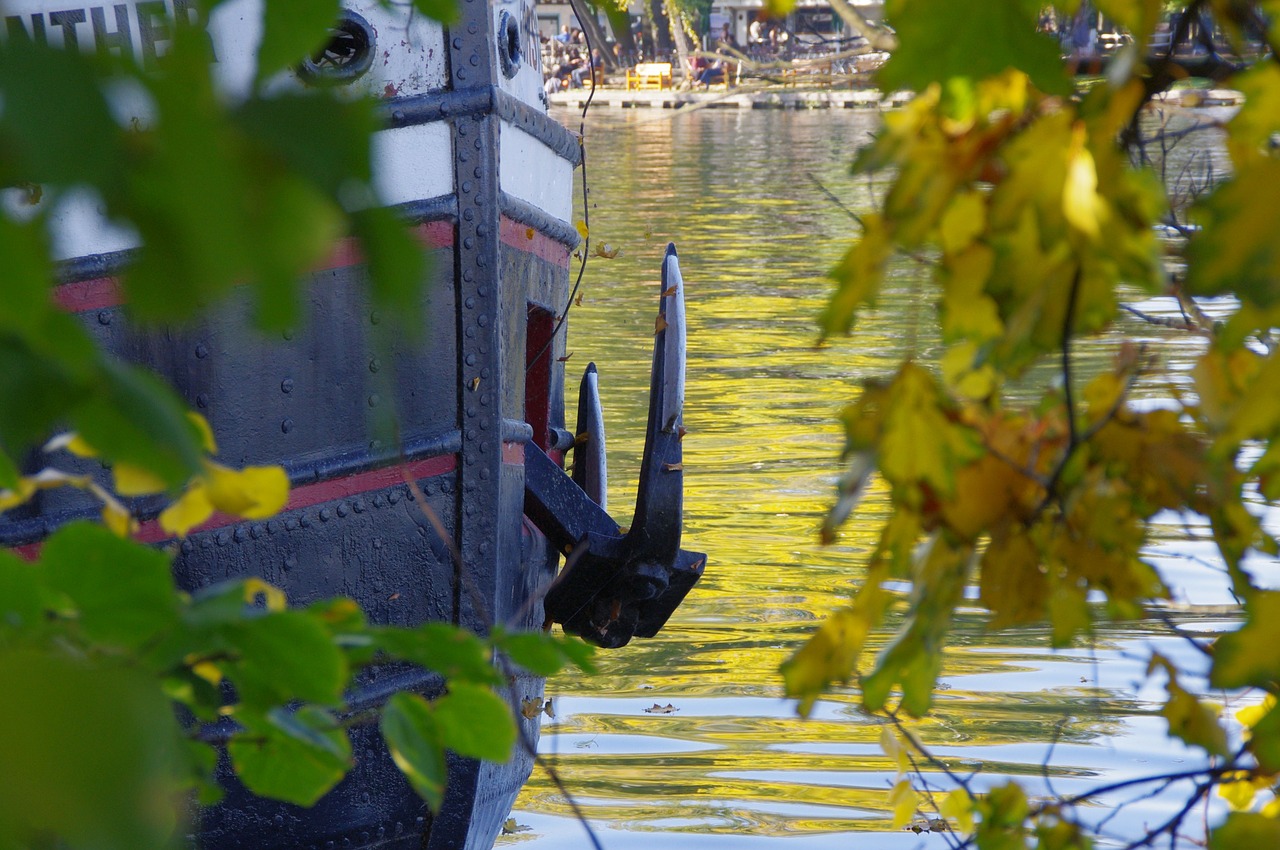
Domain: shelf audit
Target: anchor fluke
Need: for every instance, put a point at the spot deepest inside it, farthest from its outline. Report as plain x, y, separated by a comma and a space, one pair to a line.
620, 585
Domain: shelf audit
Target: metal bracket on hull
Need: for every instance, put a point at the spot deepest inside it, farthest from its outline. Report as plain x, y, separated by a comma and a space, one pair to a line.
621, 584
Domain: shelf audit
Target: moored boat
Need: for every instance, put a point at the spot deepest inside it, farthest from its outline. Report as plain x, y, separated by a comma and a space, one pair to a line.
470, 158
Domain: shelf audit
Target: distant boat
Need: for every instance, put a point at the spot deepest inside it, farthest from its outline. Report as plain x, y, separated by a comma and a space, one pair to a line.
471, 159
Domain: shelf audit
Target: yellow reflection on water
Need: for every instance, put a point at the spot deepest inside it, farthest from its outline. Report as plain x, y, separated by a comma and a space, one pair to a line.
738, 192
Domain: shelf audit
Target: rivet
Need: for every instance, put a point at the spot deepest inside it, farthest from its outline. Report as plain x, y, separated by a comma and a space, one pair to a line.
463, 156
484, 447
286, 386
393, 497
206, 542
457, 42
482, 229
477, 144
398, 115
468, 509
484, 473
104, 318
374, 365
428, 488
482, 320
469, 302
473, 28
286, 426
445, 110
468, 277
202, 400
256, 531
202, 351
479, 172
470, 332
482, 291
304, 521
484, 544
470, 360
462, 129
481, 262
475, 61
471, 434
343, 510
240, 534
468, 215
291, 524
186, 546
358, 506
468, 243
484, 373
373, 400
325, 515
378, 501
377, 543
273, 526
471, 411
287, 334
466, 185
485, 399
375, 444
375, 317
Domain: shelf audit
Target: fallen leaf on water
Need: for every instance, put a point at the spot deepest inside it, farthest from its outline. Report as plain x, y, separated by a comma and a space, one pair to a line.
565, 358
607, 251
662, 709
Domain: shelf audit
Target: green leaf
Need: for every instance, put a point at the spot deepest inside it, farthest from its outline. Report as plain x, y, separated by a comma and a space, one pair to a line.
21, 610
1189, 719
475, 722
60, 131
85, 754
133, 417
414, 739
1238, 249
1246, 831
940, 39
1247, 656
291, 31
542, 653
285, 656
453, 652
292, 756
122, 591
858, 277
397, 264
445, 11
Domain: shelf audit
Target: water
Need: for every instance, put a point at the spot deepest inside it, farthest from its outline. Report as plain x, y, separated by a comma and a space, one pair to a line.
745, 196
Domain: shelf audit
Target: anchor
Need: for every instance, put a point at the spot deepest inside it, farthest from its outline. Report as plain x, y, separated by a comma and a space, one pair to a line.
618, 584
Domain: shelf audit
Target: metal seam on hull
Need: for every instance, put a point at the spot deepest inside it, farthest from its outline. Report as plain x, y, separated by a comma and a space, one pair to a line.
477, 100
301, 475
422, 211
526, 213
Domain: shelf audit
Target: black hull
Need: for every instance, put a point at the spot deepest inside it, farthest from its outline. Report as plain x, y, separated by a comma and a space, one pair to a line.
465, 407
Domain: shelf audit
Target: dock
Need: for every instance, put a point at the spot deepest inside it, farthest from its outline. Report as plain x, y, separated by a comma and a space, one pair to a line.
745, 96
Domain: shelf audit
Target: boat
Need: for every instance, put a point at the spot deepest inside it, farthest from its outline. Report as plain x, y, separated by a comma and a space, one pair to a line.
470, 158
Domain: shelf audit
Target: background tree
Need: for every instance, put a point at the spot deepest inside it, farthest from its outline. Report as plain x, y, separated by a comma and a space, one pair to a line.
1035, 207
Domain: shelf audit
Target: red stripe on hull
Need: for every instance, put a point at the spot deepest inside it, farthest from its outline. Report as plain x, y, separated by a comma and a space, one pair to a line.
102, 293
524, 238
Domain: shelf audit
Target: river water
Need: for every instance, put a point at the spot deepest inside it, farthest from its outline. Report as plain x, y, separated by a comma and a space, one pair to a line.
685, 738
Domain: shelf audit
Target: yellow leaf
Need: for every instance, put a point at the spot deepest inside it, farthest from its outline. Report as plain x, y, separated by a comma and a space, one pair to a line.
1251, 714
858, 276
1081, 204
582, 228
964, 220
894, 749
1239, 790
968, 312
189, 511
829, 656
119, 520
903, 798
73, 443
921, 445
963, 376
12, 498
208, 671
207, 441
255, 492
958, 806
133, 480
273, 596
